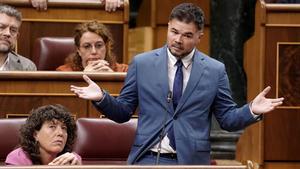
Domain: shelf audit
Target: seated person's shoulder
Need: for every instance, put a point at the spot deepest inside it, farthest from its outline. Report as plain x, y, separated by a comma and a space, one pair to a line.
18, 157
26, 63
65, 67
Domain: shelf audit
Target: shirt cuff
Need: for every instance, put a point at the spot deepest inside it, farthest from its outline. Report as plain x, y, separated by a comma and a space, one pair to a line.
256, 116
103, 97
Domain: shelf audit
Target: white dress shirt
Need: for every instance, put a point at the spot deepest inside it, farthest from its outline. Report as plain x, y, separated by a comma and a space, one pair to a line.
4, 66
186, 70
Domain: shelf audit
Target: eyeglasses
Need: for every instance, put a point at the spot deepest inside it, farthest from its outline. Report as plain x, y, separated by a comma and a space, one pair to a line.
89, 47
12, 30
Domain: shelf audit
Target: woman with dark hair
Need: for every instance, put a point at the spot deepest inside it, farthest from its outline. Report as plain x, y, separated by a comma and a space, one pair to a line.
46, 138
94, 44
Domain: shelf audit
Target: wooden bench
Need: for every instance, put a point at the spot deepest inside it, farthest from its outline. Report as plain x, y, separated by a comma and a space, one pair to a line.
98, 139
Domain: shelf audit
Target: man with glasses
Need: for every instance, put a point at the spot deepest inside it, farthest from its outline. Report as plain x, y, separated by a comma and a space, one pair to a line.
10, 22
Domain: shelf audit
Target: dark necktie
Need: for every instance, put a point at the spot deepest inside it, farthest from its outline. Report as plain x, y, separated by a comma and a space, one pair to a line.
178, 83
177, 92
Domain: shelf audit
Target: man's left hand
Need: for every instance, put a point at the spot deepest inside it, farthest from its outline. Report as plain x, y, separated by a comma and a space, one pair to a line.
261, 104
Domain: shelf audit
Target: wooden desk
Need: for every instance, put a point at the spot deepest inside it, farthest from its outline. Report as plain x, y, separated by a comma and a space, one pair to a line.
63, 15
272, 59
20, 92
126, 167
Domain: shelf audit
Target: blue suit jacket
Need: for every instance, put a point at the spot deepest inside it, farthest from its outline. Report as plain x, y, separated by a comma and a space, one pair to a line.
207, 92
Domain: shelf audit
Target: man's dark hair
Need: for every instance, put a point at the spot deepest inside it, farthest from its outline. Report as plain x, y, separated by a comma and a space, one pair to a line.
188, 12
11, 11
34, 123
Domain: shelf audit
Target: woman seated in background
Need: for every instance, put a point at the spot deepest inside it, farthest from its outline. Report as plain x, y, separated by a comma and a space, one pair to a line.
46, 138
94, 44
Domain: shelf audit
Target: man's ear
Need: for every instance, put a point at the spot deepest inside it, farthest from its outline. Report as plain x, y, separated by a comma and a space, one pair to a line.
201, 34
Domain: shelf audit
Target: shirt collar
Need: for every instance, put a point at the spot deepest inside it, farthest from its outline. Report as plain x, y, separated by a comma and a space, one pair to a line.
5, 64
187, 60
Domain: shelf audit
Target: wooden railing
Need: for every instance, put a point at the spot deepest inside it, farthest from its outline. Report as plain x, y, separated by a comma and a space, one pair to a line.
20, 92
58, 3
127, 167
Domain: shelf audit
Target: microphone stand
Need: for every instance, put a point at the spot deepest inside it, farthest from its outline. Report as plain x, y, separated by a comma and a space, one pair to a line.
162, 133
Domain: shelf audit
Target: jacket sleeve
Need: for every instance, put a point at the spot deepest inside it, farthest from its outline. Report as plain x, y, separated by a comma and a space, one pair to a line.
229, 116
120, 109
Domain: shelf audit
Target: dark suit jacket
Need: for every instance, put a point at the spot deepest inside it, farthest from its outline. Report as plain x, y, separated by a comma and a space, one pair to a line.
207, 92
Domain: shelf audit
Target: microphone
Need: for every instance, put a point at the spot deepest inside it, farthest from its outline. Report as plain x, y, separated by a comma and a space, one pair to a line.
162, 133
169, 98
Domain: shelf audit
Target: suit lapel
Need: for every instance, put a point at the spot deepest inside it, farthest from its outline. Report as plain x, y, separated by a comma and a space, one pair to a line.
161, 68
14, 62
198, 67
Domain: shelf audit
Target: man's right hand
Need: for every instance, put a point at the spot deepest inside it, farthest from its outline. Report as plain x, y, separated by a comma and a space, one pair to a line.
91, 92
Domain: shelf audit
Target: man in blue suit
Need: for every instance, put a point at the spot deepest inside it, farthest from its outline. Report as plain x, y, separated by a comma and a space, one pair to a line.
177, 89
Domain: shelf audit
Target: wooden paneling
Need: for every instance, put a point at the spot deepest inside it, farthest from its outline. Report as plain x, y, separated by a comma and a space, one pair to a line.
282, 127
22, 91
250, 144
25, 103
62, 16
276, 36
153, 12
282, 134
164, 8
156, 14
293, 165
279, 18
288, 80
161, 37
273, 143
